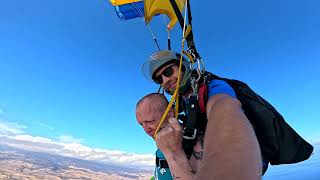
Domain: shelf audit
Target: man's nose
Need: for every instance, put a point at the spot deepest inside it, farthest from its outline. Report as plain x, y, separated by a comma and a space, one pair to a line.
165, 79
146, 128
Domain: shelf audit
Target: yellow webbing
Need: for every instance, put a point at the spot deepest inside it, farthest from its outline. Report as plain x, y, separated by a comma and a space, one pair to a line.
187, 31
175, 97
189, 56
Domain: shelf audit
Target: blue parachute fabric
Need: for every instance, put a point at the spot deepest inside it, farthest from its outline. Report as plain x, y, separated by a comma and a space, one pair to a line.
130, 11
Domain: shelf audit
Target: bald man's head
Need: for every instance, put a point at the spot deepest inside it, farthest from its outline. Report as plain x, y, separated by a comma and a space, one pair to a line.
149, 111
156, 100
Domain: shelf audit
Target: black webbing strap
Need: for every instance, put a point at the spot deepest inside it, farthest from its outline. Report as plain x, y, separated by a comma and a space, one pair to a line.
177, 12
189, 38
191, 108
162, 163
189, 13
190, 125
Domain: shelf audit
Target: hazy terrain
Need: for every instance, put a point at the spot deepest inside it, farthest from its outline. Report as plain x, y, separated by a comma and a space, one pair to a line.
20, 164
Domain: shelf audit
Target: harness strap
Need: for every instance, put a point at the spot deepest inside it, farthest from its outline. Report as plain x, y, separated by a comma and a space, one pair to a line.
189, 37
196, 122
203, 97
162, 163
177, 12
189, 12
190, 125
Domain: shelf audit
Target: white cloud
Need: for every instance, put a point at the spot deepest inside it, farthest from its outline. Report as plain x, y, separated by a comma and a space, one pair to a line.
34, 139
12, 134
1, 111
68, 146
8, 128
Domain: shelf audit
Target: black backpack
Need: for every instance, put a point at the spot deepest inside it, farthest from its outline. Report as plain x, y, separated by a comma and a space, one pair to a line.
279, 143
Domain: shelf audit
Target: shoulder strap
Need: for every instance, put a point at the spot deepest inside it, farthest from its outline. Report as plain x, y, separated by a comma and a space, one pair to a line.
196, 121
203, 90
203, 97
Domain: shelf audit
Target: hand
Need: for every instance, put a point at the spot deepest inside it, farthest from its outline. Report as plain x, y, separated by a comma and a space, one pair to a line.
169, 138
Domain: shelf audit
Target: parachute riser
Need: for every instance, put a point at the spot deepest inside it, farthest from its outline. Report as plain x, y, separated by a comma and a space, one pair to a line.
189, 36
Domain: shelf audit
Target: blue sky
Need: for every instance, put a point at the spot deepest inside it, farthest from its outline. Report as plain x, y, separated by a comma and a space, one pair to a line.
73, 69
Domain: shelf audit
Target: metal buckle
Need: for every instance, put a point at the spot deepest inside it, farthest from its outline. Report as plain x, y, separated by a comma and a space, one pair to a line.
193, 136
191, 52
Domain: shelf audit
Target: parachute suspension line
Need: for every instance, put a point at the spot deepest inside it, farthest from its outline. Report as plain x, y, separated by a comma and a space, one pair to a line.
169, 40
168, 30
177, 89
166, 112
175, 96
161, 89
154, 37
184, 23
187, 34
180, 65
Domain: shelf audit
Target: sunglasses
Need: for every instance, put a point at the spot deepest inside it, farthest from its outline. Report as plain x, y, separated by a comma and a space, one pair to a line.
167, 73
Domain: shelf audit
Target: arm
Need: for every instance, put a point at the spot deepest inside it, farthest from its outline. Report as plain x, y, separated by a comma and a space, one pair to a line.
169, 141
231, 149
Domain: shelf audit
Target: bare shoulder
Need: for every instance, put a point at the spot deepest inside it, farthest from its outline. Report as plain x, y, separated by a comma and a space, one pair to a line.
226, 120
229, 142
222, 101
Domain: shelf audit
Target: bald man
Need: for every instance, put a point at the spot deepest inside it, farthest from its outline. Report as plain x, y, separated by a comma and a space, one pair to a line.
149, 111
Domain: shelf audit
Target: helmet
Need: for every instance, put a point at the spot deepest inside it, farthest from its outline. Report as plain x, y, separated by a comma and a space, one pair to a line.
162, 58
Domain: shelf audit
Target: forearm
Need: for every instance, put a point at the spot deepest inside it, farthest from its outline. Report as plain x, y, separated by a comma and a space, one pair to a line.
169, 141
231, 150
179, 166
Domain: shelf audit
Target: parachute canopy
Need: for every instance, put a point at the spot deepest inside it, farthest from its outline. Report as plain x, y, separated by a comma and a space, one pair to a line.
129, 9
153, 7
121, 2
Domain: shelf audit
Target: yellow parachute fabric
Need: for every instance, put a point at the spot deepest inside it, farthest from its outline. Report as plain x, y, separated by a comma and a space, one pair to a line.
121, 2
153, 7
